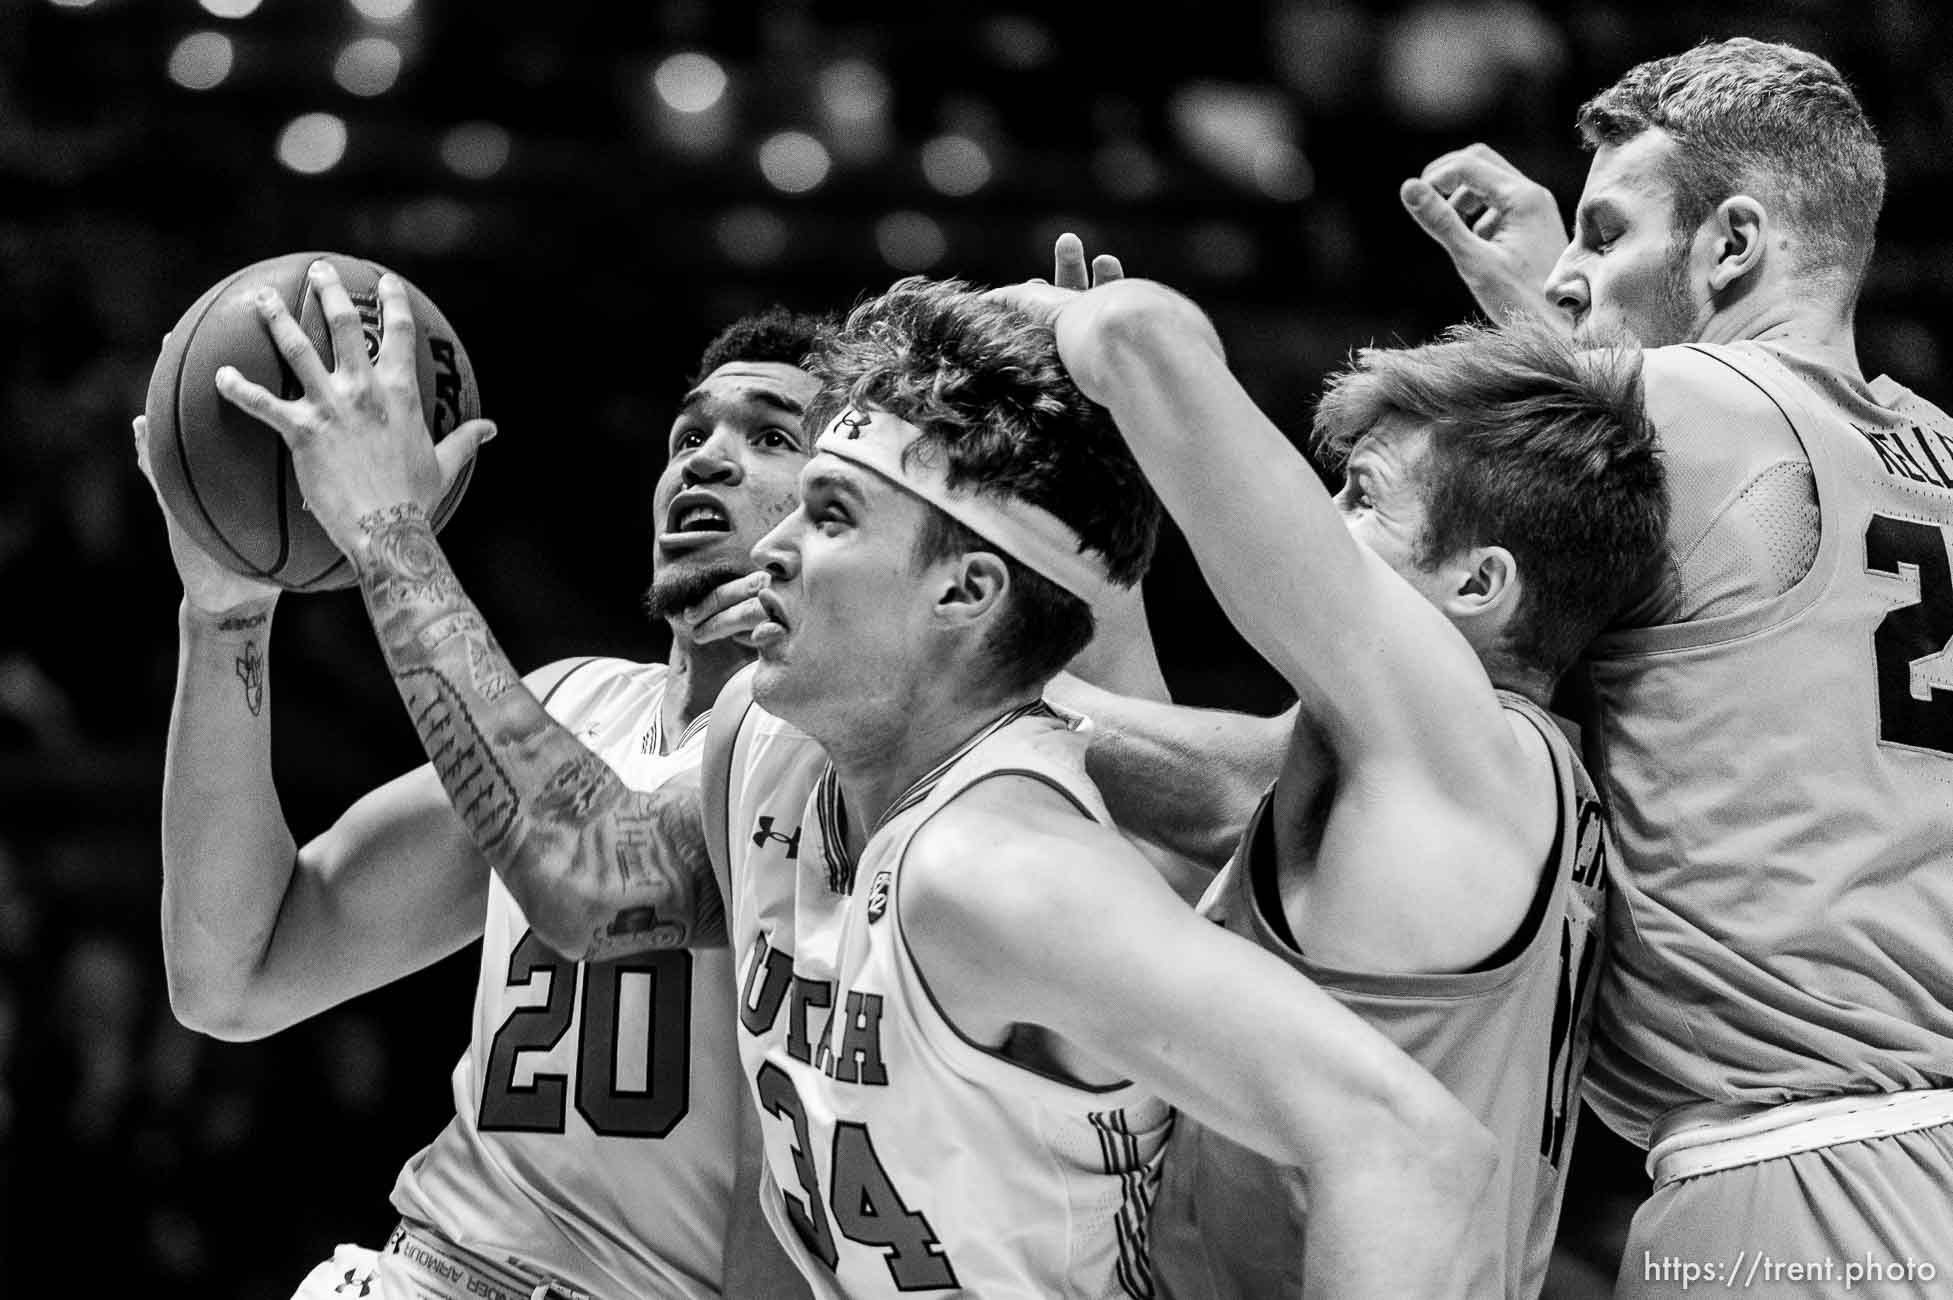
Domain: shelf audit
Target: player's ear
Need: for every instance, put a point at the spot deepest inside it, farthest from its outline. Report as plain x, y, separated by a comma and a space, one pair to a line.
974, 588
1487, 586
1739, 232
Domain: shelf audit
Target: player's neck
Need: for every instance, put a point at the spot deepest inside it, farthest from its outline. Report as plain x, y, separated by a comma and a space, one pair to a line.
883, 755
1817, 328
695, 676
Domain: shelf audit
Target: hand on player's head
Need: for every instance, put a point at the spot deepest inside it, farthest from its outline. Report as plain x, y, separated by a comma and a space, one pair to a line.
358, 436
207, 585
1070, 277
1501, 229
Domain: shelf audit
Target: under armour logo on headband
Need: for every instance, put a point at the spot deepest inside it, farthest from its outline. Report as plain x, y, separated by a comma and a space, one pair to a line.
853, 418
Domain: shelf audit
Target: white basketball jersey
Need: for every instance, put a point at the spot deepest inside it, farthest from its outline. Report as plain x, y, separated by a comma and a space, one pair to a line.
902, 1158
594, 1118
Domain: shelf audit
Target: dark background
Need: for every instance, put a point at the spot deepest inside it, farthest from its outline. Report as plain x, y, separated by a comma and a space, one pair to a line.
1248, 153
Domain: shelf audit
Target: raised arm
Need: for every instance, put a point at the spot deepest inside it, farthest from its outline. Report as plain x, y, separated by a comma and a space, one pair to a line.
1372, 661
1121, 657
599, 870
259, 933
1103, 956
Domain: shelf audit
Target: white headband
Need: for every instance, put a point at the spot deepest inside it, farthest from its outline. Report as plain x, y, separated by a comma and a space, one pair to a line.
1034, 537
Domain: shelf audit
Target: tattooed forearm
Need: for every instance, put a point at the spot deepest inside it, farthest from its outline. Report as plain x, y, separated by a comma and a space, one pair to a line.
242, 622
488, 667
600, 870
401, 562
577, 791
699, 922
658, 844
477, 784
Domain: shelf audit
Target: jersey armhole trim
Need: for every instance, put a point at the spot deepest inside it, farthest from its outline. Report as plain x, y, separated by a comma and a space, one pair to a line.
718, 830
922, 980
550, 694
1499, 968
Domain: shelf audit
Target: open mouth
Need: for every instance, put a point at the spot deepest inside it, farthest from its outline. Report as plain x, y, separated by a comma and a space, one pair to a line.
695, 519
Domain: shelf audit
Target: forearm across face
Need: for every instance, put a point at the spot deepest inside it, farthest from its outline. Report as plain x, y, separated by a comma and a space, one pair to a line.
599, 869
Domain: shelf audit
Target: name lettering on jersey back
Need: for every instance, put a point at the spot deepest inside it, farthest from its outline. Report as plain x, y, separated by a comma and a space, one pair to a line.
1917, 453
769, 983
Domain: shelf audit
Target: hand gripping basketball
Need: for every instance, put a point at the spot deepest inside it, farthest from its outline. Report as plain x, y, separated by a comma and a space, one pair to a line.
358, 437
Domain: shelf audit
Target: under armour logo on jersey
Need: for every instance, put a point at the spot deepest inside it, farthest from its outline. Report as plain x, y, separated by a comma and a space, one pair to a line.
878, 896
355, 1277
763, 831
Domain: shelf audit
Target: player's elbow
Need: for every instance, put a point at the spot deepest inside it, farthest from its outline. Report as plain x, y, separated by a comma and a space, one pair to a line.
1419, 1127
212, 1004
564, 907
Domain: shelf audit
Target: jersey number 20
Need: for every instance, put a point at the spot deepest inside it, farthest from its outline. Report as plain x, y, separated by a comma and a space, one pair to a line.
539, 1106
1913, 632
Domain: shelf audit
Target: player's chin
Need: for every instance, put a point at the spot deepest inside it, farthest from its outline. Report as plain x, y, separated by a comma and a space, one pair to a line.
678, 583
776, 685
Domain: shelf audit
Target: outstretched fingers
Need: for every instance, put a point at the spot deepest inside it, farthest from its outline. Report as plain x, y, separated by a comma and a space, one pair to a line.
290, 340
342, 318
256, 401
398, 330
1069, 256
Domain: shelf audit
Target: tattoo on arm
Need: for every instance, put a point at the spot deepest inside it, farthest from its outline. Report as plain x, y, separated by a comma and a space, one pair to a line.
403, 563
477, 784
250, 671
655, 833
544, 810
578, 790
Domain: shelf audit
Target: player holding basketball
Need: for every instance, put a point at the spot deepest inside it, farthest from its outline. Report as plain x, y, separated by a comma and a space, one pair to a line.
977, 1133
963, 994
1775, 713
1431, 852
553, 1168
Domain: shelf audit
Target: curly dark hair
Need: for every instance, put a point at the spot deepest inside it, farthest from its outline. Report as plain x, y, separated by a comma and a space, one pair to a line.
774, 334
983, 383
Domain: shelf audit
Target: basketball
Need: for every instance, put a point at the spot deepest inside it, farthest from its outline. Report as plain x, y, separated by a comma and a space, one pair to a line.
225, 476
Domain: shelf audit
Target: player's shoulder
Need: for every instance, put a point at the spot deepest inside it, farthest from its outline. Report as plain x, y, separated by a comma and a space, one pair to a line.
1695, 386
1005, 851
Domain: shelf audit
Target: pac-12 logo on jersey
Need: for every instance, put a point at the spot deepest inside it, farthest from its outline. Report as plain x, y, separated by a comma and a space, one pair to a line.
763, 831
878, 896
